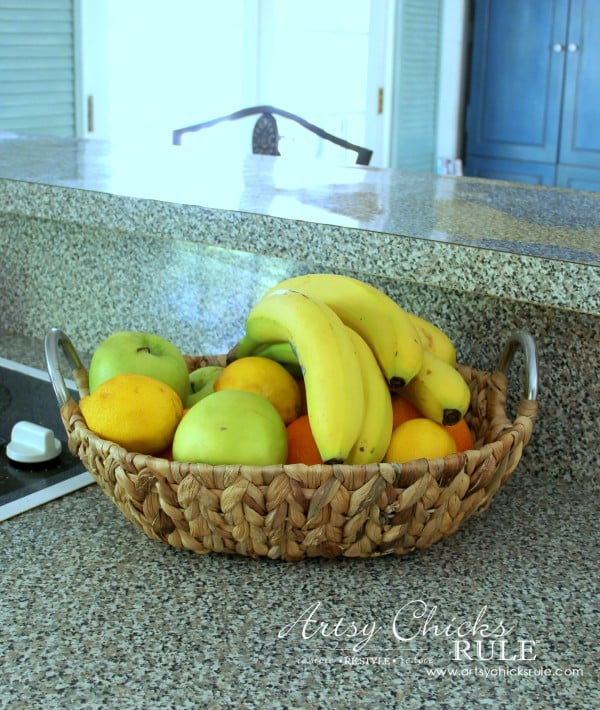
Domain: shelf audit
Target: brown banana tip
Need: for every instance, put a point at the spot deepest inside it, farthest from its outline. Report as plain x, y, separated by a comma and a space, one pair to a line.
451, 416
396, 384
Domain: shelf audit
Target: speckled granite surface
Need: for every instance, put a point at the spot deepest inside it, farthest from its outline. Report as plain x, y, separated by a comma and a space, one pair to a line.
93, 614
517, 218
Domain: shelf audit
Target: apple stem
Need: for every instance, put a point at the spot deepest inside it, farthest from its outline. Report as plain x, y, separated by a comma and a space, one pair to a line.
146, 348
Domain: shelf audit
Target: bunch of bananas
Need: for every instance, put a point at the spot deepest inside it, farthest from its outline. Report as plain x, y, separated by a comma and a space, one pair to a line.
354, 347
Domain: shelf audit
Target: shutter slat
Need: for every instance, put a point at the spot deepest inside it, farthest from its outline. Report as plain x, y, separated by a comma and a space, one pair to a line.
55, 100
29, 18
36, 5
34, 39
53, 86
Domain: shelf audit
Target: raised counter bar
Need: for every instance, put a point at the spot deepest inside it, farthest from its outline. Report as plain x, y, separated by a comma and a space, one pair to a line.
389, 222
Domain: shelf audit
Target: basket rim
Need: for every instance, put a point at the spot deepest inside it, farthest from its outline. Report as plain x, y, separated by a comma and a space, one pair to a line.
173, 470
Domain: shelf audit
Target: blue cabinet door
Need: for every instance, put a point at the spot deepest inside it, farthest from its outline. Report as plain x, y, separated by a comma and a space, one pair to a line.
517, 79
580, 136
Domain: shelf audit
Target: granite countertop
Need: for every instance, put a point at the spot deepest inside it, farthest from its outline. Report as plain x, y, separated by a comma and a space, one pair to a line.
520, 219
540, 245
93, 614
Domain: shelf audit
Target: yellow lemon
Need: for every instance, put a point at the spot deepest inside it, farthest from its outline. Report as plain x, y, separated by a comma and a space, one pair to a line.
267, 378
136, 411
419, 438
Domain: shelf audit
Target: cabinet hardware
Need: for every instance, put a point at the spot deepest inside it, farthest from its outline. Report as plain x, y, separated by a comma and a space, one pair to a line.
90, 114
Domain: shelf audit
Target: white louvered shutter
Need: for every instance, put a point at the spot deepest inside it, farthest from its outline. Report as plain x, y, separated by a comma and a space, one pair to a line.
415, 90
37, 67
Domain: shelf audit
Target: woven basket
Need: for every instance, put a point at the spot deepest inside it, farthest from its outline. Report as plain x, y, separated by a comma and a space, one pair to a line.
291, 512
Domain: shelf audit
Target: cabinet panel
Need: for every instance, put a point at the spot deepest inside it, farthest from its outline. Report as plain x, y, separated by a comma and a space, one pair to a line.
580, 137
512, 170
516, 79
578, 178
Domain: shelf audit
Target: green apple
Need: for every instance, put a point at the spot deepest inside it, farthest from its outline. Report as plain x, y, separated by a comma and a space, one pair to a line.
231, 427
141, 353
202, 382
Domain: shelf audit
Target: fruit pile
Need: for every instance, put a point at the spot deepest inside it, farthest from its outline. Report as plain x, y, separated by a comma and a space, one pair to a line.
329, 370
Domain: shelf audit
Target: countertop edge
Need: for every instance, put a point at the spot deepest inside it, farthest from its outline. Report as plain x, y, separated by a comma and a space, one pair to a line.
491, 271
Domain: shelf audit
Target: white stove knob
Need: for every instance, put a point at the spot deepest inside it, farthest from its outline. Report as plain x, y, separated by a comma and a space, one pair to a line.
32, 443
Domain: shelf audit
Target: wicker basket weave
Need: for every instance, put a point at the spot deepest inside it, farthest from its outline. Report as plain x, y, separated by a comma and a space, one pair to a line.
291, 512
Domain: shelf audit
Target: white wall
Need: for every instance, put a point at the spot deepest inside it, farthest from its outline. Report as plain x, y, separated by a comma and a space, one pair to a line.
151, 90
452, 78
155, 65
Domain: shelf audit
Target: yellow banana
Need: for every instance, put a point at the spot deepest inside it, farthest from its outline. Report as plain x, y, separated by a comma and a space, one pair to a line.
376, 431
434, 339
438, 391
332, 375
381, 322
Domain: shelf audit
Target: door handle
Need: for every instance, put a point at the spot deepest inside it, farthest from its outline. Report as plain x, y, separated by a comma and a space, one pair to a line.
572, 47
558, 47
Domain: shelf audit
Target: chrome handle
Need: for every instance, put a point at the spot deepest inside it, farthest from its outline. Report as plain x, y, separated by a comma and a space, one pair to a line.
55, 338
522, 339
558, 47
572, 47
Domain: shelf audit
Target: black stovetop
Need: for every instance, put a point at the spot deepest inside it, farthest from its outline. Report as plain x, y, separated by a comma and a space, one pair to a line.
28, 396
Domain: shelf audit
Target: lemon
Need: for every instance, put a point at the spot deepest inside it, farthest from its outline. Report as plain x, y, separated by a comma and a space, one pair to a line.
419, 438
135, 411
267, 378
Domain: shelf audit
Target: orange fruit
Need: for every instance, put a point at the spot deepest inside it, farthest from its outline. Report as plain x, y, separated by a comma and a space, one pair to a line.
267, 378
462, 435
419, 438
302, 447
403, 410
137, 412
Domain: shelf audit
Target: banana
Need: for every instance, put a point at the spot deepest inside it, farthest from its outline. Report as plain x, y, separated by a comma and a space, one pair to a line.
438, 391
381, 322
332, 374
376, 431
434, 339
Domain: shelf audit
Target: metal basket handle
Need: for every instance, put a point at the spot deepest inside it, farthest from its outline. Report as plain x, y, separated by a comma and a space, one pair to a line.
524, 340
55, 338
